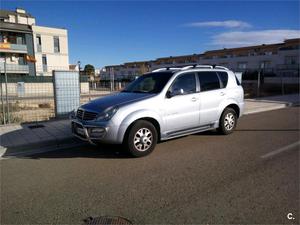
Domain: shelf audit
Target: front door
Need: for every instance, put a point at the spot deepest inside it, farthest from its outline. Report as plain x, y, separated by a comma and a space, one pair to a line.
181, 105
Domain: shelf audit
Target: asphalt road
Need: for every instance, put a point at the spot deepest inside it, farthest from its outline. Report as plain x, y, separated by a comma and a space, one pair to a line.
203, 178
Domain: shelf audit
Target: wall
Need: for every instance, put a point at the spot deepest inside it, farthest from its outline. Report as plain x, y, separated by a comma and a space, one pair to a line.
38, 89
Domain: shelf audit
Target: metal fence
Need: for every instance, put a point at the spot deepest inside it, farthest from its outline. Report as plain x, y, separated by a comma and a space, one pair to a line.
268, 82
25, 98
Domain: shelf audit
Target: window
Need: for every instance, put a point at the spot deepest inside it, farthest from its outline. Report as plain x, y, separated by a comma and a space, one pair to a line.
21, 60
20, 40
265, 64
224, 78
184, 84
56, 44
38, 43
242, 65
44, 60
291, 60
208, 81
237, 81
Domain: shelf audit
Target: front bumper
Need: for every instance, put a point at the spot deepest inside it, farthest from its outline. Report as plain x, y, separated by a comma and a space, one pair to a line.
94, 132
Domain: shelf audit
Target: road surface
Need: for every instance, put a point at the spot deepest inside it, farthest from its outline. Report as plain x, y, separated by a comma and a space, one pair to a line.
251, 176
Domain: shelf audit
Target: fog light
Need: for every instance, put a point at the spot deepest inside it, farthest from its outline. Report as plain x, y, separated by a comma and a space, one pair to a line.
97, 130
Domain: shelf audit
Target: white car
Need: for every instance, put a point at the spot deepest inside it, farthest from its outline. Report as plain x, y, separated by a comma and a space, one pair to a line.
163, 104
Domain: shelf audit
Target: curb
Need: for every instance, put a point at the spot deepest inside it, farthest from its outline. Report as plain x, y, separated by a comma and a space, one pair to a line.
270, 108
39, 147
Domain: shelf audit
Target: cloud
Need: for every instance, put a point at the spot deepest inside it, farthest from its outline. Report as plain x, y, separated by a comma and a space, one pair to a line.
244, 38
225, 24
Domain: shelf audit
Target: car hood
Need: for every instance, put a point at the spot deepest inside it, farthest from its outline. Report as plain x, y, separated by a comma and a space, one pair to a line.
119, 99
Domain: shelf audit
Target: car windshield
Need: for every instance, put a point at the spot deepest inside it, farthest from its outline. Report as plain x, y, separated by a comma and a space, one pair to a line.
149, 83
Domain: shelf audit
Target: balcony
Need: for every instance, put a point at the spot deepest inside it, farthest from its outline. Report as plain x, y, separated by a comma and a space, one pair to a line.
288, 67
13, 48
14, 68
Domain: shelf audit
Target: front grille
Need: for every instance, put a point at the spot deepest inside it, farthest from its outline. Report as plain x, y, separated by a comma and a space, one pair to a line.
86, 115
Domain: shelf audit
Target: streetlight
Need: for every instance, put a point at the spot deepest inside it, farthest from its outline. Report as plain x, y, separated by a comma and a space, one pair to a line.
78, 63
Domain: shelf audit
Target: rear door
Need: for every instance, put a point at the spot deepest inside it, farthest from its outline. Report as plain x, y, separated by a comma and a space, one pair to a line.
212, 93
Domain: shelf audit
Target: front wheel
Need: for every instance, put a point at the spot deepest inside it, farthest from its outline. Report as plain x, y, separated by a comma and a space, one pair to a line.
228, 121
141, 139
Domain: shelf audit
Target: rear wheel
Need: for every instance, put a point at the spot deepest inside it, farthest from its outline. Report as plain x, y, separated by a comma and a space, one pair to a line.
141, 139
228, 121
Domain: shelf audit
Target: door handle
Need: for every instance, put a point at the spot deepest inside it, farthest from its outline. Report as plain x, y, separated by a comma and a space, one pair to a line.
222, 94
194, 99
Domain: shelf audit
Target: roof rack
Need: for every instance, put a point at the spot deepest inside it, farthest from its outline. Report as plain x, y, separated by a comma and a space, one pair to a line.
192, 67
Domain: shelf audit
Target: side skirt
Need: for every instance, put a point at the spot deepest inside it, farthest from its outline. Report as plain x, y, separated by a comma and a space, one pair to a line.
188, 131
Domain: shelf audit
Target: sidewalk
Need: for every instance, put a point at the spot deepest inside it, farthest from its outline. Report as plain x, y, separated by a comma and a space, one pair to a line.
270, 103
52, 135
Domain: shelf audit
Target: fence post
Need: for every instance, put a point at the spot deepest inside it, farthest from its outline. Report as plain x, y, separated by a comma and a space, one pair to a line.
2, 102
6, 93
282, 84
258, 83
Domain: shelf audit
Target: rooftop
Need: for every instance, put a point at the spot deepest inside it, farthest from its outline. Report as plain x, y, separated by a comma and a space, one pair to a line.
6, 13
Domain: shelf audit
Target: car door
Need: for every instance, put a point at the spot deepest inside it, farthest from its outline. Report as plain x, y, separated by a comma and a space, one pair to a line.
181, 105
211, 95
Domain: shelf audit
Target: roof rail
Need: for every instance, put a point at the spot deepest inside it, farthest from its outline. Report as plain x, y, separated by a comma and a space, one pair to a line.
221, 67
166, 68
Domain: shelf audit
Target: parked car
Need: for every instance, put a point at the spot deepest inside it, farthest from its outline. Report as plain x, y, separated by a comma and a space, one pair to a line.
161, 105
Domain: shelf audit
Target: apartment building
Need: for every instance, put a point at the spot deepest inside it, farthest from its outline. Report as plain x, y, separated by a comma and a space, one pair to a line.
16, 43
28, 49
51, 49
280, 59
126, 71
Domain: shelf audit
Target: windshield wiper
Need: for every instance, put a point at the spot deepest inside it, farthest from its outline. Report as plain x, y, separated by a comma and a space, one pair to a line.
140, 92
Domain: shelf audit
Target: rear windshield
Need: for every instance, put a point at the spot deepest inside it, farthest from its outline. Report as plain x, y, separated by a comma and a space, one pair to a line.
149, 83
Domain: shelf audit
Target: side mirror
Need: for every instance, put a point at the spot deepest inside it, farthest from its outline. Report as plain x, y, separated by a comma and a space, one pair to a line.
169, 94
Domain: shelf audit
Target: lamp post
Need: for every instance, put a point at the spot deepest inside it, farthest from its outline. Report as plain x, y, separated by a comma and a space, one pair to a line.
78, 63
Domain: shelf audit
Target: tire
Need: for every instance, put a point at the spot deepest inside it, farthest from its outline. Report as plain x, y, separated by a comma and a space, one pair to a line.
228, 121
141, 139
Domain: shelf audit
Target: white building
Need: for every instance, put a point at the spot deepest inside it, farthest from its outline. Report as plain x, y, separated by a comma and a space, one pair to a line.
51, 49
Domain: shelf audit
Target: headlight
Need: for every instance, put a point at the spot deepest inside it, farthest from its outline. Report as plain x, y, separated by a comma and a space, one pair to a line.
107, 114
72, 114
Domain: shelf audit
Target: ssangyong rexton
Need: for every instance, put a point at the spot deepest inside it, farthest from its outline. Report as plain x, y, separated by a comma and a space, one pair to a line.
163, 104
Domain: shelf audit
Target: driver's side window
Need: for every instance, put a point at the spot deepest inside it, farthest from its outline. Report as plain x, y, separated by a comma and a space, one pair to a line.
184, 84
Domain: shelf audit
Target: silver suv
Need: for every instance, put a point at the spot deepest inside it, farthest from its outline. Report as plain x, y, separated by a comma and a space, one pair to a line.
164, 104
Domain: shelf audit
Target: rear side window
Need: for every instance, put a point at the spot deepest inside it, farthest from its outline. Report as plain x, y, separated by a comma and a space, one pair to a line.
208, 81
224, 78
237, 81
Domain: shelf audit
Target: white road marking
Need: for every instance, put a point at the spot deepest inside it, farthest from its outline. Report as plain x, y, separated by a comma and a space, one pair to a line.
280, 150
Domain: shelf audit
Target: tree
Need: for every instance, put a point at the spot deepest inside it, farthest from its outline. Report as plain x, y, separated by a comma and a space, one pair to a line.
89, 69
